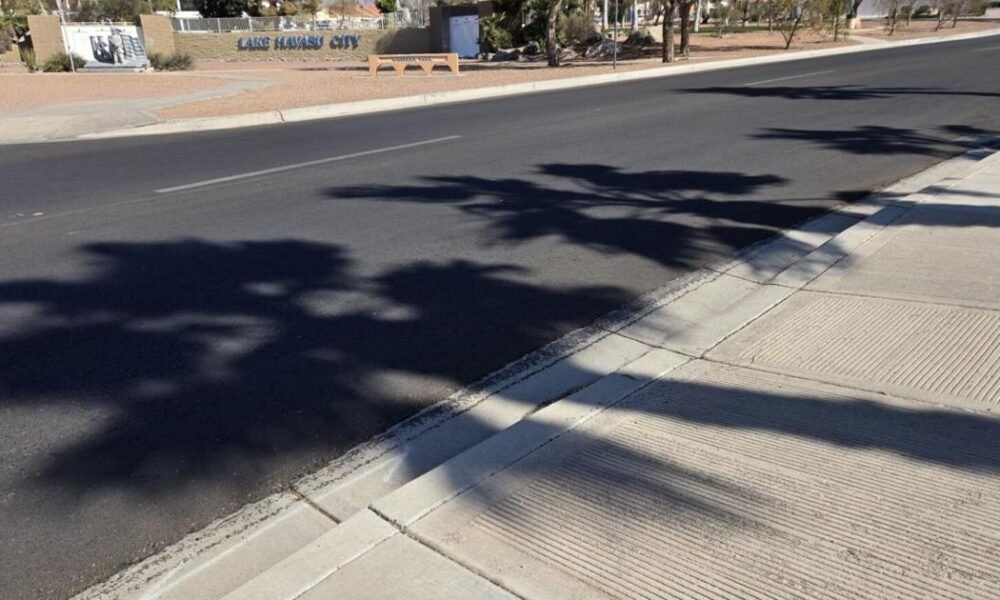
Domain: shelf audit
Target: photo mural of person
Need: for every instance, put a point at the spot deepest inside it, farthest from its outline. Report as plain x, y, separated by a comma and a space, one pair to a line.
104, 45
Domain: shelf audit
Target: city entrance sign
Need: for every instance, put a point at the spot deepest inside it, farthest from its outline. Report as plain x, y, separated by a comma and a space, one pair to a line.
297, 42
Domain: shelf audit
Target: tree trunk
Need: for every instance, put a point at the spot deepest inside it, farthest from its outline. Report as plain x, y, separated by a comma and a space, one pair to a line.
668, 32
551, 39
836, 28
685, 9
790, 35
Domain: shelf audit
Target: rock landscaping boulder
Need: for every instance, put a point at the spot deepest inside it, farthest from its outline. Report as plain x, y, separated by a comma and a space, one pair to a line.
506, 55
601, 49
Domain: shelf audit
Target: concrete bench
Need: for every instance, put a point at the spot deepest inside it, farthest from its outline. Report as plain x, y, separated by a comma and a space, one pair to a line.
399, 62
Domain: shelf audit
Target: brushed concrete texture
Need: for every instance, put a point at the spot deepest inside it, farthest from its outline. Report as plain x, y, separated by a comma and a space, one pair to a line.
943, 354
719, 482
945, 250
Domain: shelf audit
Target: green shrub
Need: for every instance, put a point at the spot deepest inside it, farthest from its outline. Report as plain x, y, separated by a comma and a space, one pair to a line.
156, 60
60, 63
492, 35
922, 11
171, 62
578, 30
179, 62
640, 37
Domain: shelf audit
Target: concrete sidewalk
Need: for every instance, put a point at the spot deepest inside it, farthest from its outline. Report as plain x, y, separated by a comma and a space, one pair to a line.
816, 420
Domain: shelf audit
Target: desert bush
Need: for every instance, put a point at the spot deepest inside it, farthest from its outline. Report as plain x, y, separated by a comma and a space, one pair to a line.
171, 62
29, 59
640, 37
492, 34
578, 30
60, 63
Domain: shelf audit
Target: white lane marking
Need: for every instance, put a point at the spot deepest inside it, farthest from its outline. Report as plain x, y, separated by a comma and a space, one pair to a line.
302, 165
991, 48
787, 78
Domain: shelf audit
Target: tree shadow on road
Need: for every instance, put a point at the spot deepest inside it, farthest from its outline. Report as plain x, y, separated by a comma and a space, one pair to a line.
204, 350
212, 355
880, 140
673, 218
834, 92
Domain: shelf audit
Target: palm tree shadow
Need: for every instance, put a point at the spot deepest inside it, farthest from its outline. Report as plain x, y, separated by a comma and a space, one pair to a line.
264, 349
835, 92
671, 218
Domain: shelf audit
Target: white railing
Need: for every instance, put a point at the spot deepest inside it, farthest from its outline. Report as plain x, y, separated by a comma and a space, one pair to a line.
295, 23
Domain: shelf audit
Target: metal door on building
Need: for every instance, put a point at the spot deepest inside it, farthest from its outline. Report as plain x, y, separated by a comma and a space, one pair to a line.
464, 34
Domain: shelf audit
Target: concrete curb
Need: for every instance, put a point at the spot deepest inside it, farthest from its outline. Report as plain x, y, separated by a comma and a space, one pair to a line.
346, 109
603, 359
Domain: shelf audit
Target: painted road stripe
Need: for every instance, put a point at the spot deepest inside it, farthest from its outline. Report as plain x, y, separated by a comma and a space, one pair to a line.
302, 165
787, 78
991, 48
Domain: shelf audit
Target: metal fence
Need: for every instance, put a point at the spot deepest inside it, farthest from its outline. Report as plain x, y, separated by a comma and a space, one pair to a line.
295, 23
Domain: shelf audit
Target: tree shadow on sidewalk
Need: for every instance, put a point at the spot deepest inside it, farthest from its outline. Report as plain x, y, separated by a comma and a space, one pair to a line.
700, 462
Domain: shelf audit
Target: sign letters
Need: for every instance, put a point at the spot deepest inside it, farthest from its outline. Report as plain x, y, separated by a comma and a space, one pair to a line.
298, 42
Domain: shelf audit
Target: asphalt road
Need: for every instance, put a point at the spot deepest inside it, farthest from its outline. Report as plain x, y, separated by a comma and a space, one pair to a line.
173, 346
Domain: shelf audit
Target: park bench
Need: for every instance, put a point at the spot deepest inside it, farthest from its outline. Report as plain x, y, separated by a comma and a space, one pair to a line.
399, 62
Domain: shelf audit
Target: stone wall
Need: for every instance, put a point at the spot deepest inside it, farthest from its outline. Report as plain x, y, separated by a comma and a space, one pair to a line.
46, 36
157, 34
225, 46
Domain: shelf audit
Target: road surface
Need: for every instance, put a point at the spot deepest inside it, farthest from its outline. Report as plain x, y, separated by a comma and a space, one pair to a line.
190, 322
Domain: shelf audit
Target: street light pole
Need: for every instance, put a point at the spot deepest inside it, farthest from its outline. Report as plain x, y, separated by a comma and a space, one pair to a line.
62, 26
614, 41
